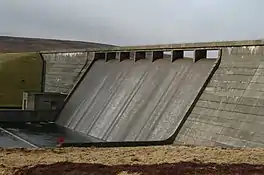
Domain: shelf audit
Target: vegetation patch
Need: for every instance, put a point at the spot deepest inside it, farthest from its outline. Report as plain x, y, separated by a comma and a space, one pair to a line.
19, 72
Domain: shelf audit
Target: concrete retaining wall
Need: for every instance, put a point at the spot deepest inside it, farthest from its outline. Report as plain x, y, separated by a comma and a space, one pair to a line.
63, 70
230, 112
27, 116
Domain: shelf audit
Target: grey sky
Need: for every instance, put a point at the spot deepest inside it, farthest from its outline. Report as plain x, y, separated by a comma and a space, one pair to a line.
134, 22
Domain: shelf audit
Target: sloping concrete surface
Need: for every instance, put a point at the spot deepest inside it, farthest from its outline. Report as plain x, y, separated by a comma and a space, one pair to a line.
134, 101
230, 112
63, 70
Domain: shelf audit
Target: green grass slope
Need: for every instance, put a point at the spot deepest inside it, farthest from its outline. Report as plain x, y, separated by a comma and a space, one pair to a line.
18, 72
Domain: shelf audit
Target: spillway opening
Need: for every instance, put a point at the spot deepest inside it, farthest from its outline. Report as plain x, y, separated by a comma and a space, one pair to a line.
213, 54
157, 55
124, 56
200, 54
140, 55
177, 54
188, 54
99, 56
110, 56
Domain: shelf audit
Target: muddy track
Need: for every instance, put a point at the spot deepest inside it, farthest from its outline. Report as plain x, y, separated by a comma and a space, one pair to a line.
180, 168
137, 160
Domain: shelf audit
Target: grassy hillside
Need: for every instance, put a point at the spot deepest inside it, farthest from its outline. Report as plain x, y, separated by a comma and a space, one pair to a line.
18, 72
20, 44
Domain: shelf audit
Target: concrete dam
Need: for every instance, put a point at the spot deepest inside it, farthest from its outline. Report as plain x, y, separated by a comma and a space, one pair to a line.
209, 94
128, 100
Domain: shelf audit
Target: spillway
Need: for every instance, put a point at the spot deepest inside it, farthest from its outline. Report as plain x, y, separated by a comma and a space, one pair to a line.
131, 100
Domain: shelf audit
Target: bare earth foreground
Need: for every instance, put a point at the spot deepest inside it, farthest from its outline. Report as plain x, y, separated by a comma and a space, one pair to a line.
140, 160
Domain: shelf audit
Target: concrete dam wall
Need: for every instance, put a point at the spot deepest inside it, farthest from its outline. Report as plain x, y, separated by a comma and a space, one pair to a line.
138, 99
148, 97
63, 70
230, 112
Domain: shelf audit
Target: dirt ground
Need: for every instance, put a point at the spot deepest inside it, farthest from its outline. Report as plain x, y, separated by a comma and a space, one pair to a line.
140, 160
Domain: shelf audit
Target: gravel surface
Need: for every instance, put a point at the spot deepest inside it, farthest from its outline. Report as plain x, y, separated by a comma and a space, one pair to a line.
163, 159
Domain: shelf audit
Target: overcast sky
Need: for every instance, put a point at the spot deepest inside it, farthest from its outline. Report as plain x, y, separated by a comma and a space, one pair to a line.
134, 22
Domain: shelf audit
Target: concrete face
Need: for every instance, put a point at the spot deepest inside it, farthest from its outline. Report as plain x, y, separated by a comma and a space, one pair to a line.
63, 70
134, 101
230, 112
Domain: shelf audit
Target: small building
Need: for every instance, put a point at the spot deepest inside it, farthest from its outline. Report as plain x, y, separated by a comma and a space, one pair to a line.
42, 100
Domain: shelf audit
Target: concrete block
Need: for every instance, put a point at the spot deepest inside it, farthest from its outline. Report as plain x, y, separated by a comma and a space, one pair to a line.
236, 71
259, 72
212, 97
228, 107
247, 101
237, 78
223, 139
237, 142
260, 102
252, 127
258, 79
253, 94
203, 111
232, 100
209, 104
257, 110
232, 132
252, 144
245, 134
242, 108
258, 138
